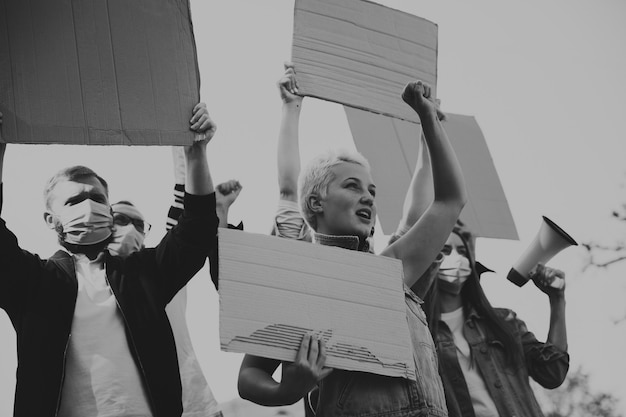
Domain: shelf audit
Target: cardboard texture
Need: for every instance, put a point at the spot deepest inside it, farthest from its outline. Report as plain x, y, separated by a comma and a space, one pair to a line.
392, 147
362, 54
274, 290
97, 72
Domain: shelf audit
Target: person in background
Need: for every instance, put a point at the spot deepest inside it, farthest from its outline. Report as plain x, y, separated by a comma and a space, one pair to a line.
225, 194
487, 354
129, 232
93, 335
128, 237
336, 196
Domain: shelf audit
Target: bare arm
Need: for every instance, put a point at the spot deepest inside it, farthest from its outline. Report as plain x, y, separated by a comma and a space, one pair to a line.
420, 193
225, 195
288, 150
256, 384
198, 177
421, 244
557, 333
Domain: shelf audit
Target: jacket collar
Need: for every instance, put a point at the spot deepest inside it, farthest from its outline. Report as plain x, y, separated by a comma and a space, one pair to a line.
345, 242
65, 261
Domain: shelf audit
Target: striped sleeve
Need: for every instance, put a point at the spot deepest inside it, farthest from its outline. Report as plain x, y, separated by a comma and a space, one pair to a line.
177, 207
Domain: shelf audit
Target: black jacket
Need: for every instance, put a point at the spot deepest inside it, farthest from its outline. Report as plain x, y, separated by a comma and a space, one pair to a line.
39, 296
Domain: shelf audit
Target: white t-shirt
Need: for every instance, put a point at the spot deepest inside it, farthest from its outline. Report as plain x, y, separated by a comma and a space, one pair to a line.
101, 378
481, 399
289, 223
198, 399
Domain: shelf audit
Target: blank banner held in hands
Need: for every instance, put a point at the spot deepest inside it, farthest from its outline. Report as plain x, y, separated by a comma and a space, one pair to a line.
362, 54
275, 290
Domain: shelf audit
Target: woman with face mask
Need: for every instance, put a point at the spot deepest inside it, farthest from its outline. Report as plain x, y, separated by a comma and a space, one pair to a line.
486, 354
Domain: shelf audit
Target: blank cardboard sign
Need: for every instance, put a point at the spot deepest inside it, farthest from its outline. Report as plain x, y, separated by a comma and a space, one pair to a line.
362, 54
275, 290
97, 72
392, 147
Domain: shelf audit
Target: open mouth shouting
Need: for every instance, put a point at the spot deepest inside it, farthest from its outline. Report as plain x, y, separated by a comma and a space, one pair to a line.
365, 214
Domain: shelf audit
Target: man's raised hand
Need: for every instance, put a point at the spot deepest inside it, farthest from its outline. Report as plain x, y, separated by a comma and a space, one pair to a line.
202, 124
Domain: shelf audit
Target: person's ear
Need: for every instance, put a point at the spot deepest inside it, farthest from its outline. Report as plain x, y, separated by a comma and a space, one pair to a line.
49, 219
315, 204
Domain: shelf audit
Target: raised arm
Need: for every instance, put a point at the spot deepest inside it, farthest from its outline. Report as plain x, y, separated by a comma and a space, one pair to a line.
543, 277
198, 177
288, 150
547, 363
421, 244
225, 195
183, 251
18, 268
420, 194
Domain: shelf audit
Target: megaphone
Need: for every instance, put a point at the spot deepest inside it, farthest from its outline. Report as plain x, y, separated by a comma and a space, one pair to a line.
550, 240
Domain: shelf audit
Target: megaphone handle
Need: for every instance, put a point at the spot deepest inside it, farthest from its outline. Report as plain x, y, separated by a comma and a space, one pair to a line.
557, 283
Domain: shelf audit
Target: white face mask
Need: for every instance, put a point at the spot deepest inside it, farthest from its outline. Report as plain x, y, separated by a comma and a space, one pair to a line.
85, 223
453, 272
455, 266
126, 240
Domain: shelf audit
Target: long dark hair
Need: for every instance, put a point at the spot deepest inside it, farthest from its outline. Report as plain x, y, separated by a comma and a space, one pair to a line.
473, 297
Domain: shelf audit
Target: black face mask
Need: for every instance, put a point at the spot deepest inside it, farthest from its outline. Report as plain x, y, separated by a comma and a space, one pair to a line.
452, 288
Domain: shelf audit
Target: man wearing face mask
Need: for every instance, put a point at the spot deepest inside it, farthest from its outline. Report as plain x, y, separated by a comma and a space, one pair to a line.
129, 229
487, 354
93, 335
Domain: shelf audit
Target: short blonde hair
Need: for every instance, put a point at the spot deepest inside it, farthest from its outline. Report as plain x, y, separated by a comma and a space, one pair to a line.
317, 175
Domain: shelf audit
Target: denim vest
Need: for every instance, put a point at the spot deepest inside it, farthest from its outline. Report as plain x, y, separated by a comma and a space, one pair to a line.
350, 393
508, 385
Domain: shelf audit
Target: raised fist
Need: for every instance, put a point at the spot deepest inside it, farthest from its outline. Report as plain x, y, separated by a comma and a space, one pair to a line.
417, 94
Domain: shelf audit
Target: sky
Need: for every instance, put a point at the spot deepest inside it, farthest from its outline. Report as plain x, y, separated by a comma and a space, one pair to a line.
545, 82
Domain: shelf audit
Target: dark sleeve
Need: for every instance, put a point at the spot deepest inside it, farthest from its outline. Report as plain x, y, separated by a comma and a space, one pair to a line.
18, 270
184, 249
546, 364
174, 213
